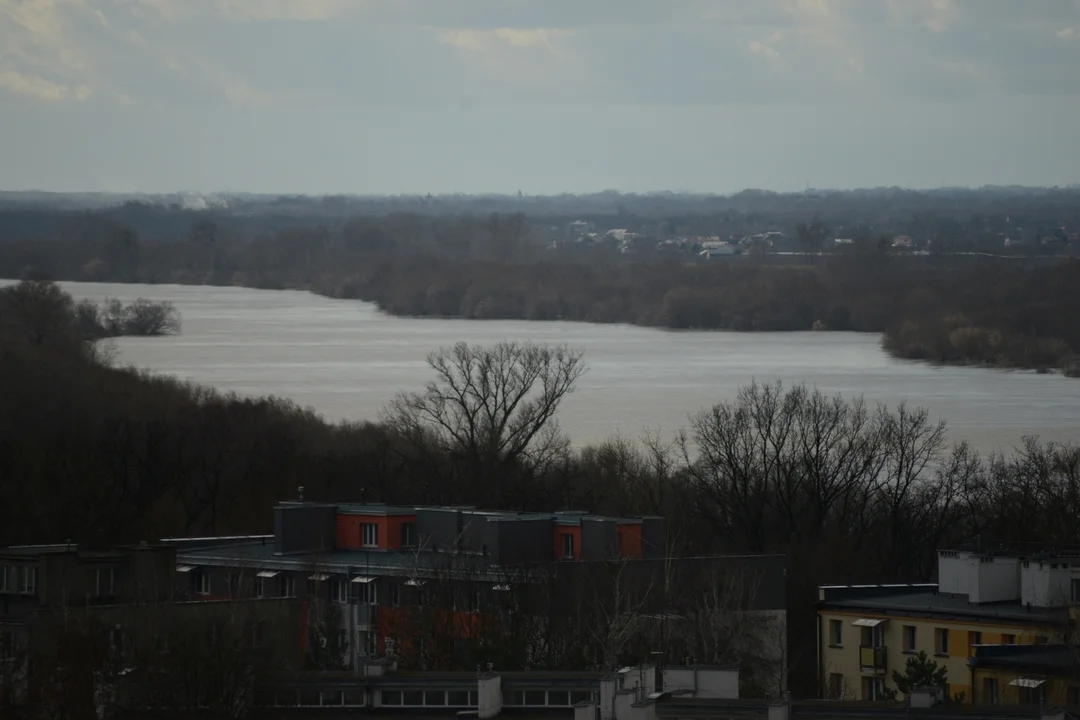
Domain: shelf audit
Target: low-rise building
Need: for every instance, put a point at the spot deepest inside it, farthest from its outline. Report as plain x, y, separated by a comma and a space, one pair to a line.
867, 632
442, 587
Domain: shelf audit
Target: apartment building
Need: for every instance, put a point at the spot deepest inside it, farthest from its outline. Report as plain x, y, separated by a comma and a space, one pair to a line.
866, 632
416, 582
36, 577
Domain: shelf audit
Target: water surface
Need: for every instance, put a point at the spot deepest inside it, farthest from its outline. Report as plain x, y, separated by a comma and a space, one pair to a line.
346, 360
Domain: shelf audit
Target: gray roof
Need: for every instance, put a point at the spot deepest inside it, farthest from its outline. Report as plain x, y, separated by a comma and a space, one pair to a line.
930, 604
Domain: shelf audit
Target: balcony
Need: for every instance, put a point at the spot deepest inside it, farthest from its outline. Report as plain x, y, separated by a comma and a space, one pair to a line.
872, 659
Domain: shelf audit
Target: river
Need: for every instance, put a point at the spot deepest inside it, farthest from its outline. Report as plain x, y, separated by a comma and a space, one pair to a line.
345, 360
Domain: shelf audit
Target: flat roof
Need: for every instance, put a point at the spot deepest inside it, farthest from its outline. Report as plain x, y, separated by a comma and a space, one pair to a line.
930, 604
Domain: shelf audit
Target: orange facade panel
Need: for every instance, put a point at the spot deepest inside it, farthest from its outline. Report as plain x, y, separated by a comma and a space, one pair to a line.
567, 542
630, 540
351, 532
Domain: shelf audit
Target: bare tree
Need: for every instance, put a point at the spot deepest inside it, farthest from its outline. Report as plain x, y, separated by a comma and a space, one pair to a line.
493, 408
148, 318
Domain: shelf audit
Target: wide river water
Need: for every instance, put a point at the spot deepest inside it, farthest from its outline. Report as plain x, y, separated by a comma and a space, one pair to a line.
345, 360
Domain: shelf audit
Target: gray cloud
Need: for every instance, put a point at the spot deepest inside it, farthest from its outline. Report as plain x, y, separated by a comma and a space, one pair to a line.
285, 62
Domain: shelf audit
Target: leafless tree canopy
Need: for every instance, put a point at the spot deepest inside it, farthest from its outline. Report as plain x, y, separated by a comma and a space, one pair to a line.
492, 407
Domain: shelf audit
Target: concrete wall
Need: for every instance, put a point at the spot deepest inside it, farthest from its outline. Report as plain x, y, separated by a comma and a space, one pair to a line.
438, 529
304, 527
524, 540
599, 538
653, 538
954, 573
1047, 584
703, 682
982, 578
998, 580
489, 696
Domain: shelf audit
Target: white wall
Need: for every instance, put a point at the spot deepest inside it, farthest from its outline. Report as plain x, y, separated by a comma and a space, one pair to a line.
607, 698
1045, 586
489, 692
981, 579
585, 711
703, 682
624, 704
954, 573
998, 580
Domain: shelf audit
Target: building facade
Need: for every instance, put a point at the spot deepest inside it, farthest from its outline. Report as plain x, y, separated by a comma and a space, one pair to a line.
865, 633
439, 588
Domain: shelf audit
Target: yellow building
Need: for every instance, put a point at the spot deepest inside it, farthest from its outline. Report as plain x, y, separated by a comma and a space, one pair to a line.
1043, 675
865, 632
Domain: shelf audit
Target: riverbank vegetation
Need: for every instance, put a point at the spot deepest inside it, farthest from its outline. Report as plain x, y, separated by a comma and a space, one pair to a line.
101, 455
1013, 311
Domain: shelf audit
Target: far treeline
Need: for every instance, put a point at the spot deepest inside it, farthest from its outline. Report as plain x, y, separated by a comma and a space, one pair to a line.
965, 298
98, 455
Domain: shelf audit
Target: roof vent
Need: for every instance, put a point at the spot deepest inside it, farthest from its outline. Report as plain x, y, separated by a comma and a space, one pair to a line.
300, 493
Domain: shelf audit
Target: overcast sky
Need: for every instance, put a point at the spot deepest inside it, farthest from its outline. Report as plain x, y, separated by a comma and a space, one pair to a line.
542, 96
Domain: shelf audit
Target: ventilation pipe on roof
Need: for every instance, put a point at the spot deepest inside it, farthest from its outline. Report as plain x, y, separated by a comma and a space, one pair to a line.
300, 492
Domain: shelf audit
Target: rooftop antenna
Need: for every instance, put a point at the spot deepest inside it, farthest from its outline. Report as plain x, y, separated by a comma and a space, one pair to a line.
300, 492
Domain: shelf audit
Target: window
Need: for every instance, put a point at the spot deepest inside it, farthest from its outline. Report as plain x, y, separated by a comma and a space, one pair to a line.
406, 534
1041, 640
535, 697
312, 588
7, 645
116, 640
457, 698
287, 586
390, 697
202, 582
342, 641
395, 593
367, 643
909, 638
365, 592
836, 633
104, 581
1008, 639
412, 697
1076, 591
3, 578
941, 641
567, 546
369, 533
260, 587
434, 697
873, 688
990, 691
27, 579
339, 591
836, 686
974, 638
558, 697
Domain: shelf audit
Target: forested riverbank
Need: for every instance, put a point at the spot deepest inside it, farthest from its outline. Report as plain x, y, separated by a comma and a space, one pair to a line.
1009, 312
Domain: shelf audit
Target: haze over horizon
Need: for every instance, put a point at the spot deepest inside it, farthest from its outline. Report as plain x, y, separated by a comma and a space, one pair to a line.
377, 97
